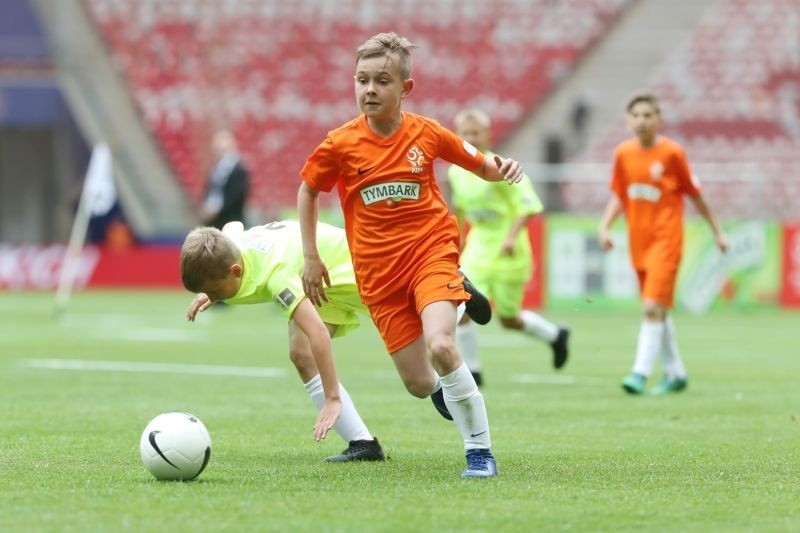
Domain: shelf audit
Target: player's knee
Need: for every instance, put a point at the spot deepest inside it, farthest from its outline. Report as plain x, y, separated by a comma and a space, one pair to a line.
511, 322
442, 349
654, 312
420, 388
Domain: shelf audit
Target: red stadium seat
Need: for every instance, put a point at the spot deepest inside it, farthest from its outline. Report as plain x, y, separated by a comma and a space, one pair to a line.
732, 96
280, 74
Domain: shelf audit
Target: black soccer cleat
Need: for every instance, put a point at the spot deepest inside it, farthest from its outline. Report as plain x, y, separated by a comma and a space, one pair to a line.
359, 450
438, 401
560, 348
478, 307
478, 377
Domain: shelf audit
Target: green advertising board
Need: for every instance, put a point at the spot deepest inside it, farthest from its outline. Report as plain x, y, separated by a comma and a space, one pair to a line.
580, 275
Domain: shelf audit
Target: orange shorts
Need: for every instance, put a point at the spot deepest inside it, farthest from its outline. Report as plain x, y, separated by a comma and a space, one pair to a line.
397, 316
658, 284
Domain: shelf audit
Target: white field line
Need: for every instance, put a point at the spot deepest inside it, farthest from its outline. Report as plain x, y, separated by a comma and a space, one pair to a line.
110, 319
128, 327
159, 368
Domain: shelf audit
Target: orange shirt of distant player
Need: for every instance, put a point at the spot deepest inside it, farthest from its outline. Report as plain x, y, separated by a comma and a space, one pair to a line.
655, 225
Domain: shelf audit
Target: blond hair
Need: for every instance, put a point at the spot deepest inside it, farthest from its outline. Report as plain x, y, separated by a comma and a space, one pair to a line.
648, 98
390, 45
206, 255
472, 114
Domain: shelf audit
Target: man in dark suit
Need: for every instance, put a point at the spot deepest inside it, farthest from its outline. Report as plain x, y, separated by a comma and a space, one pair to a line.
228, 184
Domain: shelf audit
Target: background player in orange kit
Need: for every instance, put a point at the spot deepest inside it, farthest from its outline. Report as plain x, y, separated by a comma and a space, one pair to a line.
403, 241
650, 177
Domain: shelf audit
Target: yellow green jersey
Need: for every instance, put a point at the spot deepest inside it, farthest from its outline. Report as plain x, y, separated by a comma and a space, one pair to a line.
272, 256
491, 208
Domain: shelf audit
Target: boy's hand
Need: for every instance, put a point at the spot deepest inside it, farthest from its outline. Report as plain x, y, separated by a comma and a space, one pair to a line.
507, 249
201, 302
327, 417
314, 273
509, 168
604, 240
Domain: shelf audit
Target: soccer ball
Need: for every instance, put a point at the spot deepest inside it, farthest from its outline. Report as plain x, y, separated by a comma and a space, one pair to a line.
175, 446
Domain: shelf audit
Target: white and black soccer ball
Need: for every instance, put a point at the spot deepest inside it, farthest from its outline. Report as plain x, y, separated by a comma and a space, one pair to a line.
175, 446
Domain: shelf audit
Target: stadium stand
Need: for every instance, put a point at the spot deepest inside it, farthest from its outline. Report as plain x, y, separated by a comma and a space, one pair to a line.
22, 45
731, 95
277, 73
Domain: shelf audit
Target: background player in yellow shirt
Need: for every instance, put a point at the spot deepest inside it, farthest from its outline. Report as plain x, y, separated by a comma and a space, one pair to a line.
496, 251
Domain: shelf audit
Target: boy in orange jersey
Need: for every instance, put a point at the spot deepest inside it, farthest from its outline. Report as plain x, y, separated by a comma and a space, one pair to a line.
650, 177
403, 241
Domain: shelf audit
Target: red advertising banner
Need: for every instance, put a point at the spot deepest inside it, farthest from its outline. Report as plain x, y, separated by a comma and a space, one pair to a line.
790, 271
145, 266
37, 267
533, 298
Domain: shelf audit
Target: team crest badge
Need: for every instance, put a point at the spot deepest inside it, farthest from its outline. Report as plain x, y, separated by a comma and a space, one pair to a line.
656, 170
416, 158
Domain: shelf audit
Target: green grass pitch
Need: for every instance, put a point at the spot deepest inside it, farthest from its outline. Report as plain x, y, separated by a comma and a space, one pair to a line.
574, 452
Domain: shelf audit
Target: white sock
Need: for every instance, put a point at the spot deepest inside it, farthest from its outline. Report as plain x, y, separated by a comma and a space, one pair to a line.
670, 354
536, 326
349, 426
648, 347
460, 310
437, 385
467, 344
465, 402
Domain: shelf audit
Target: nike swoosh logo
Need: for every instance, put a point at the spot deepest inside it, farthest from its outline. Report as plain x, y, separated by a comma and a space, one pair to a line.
154, 444
364, 170
478, 434
453, 287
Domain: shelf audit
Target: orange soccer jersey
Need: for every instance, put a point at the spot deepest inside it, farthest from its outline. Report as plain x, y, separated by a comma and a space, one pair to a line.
395, 214
650, 182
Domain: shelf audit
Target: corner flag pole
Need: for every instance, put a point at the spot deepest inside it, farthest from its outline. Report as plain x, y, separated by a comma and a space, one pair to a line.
97, 198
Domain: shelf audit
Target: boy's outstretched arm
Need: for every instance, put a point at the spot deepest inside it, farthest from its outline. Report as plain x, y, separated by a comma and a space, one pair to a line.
497, 169
314, 270
610, 214
307, 319
705, 212
507, 249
